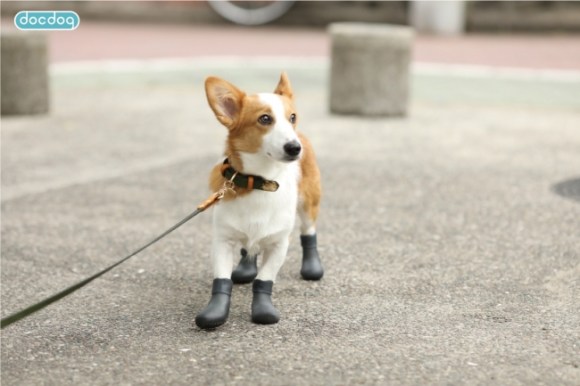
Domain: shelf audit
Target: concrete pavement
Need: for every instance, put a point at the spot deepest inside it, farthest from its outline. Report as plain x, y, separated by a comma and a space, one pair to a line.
449, 258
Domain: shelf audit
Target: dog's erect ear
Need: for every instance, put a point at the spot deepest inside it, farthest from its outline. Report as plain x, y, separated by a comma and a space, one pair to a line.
225, 100
284, 88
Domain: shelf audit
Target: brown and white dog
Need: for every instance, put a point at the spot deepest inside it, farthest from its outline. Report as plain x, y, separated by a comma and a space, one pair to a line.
274, 174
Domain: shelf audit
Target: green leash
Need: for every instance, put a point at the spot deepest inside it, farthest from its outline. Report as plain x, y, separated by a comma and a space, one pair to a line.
231, 181
51, 299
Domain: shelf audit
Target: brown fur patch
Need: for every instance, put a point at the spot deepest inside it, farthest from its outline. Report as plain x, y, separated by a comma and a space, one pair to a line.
309, 188
247, 134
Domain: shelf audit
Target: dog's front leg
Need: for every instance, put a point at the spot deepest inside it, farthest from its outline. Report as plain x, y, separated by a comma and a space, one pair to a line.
216, 312
222, 254
263, 311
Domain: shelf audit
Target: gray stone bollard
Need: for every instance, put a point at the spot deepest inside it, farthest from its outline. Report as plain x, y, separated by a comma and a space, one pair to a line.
24, 74
369, 72
438, 17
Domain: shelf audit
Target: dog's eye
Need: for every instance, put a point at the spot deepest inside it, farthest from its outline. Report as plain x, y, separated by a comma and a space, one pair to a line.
265, 119
293, 118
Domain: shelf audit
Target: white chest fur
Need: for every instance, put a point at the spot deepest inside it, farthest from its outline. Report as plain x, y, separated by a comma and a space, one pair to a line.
260, 218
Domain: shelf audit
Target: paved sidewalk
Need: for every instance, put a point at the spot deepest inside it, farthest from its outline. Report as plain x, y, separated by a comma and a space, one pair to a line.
449, 258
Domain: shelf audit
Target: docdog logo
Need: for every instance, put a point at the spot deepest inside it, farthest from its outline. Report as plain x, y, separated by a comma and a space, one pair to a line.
46, 20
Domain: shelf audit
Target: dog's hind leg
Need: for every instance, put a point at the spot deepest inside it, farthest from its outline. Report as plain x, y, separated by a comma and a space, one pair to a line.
247, 268
311, 265
308, 208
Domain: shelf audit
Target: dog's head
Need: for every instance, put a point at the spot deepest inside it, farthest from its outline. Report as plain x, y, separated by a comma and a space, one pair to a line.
263, 123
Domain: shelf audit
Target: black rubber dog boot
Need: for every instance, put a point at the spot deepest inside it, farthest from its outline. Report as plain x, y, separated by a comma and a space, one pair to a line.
217, 311
247, 269
311, 265
263, 311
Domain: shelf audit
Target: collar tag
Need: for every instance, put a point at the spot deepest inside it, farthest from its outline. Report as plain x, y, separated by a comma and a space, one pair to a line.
270, 186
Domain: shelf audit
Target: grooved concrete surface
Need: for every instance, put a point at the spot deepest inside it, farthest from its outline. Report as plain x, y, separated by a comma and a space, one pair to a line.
449, 259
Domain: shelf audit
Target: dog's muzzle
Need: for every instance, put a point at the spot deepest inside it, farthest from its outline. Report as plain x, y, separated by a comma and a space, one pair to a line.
292, 150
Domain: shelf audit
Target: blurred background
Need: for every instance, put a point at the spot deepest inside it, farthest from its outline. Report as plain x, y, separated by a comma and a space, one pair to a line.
533, 34
489, 16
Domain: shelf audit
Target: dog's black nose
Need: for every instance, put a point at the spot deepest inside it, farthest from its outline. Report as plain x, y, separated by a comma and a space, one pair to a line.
292, 148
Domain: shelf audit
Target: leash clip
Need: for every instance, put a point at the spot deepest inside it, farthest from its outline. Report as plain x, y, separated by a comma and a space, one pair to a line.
220, 194
229, 185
